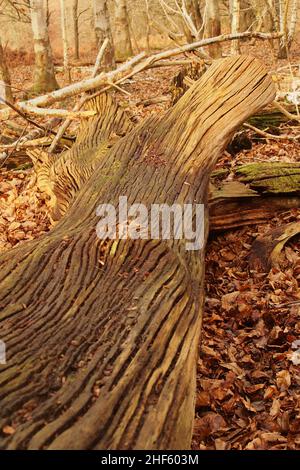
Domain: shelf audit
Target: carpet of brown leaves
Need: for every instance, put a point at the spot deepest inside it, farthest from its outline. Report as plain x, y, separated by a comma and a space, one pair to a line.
23, 214
248, 372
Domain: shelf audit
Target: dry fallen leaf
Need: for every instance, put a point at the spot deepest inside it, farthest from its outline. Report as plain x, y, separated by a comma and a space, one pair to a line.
283, 380
295, 357
275, 408
9, 430
229, 300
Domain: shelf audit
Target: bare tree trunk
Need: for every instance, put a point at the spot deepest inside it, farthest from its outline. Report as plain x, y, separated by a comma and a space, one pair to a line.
75, 28
198, 16
103, 31
5, 83
266, 17
283, 21
292, 22
148, 23
247, 17
123, 47
65, 41
44, 76
270, 19
258, 9
235, 9
213, 26
193, 10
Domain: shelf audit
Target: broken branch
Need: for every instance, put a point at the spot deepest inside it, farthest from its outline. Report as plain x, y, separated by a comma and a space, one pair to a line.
133, 66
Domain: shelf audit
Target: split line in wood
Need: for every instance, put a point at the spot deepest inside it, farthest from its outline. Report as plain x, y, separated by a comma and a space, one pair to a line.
287, 304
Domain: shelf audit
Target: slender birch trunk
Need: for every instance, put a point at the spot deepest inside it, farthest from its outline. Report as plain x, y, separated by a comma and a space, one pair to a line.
292, 22
103, 31
283, 21
75, 28
197, 14
44, 76
148, 22
269, 19
273, 14
5, 83
65, 41
247, 14
235, 8
288, 15
123, 47
268, 16
191, 8
213, 26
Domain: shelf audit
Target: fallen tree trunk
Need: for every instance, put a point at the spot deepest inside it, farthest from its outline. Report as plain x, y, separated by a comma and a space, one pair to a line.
102, 335
254, 193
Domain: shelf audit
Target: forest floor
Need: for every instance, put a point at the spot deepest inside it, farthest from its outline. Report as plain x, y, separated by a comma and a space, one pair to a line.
248, 382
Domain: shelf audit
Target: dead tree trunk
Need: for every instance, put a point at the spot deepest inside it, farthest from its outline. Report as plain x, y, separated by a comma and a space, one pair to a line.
235, 13
213, 26
257, 192
123, 47
44, 76
75, 20
103, 31
102, 335
65, 39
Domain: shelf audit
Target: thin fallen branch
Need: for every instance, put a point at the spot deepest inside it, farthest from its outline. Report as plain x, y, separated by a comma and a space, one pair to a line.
34, 106
172, 63
292, 117
100, 57
157, 60
126, 70
41, 142
6, 155
79, 105
16, 109
24, 108
39, 133
117, 87
61, 113
270, 136
154, 100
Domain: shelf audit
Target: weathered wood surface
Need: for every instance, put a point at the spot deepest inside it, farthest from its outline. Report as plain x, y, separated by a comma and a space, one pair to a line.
254, 193
102, 336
